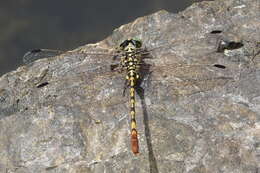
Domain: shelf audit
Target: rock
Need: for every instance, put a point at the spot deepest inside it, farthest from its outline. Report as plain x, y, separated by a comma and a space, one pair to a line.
197, 110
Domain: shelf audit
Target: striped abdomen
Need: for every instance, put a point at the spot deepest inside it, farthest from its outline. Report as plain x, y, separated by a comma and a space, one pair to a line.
132, 76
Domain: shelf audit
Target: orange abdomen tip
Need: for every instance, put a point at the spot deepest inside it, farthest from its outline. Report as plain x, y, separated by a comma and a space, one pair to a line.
134, 142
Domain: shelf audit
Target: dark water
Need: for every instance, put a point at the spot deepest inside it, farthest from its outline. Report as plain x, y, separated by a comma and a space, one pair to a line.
66, 24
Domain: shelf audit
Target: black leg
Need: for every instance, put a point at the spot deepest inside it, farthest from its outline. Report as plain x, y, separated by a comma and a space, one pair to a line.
113, 67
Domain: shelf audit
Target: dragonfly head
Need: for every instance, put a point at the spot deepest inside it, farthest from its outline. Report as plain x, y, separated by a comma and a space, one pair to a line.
131, 44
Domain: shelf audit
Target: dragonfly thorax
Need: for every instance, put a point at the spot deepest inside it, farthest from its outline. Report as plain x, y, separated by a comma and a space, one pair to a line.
129, 49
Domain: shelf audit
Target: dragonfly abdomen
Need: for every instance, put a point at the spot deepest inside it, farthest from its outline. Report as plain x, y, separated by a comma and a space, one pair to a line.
132, 77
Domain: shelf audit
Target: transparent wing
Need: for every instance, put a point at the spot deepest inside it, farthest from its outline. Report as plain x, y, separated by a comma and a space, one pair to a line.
188, 78
102, 87
36, 54
154, 69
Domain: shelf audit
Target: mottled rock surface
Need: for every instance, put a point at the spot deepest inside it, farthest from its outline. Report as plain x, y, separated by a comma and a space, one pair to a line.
67, 113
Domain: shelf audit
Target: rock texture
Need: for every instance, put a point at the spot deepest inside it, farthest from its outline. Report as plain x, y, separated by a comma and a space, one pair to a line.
67, 113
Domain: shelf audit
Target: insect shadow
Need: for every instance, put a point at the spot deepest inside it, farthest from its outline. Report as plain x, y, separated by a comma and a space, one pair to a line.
145, 72
152, 160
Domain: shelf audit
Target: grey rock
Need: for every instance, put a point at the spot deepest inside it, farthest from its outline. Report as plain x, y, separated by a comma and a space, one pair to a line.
67, 113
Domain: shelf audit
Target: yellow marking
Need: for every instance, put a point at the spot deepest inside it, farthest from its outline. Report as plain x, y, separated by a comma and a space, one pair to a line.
133, 125
132, 90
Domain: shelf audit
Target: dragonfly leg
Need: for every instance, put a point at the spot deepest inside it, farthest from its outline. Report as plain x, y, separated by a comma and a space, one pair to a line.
114, 66
118, 52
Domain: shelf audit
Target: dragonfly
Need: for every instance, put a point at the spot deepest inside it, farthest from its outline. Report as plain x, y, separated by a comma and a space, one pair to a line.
134, 64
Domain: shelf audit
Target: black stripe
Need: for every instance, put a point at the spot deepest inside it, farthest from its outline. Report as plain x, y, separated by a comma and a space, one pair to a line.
133, 120
134, 129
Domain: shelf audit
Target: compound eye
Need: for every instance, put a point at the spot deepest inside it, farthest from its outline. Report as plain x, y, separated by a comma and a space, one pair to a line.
124, 44
137, 43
